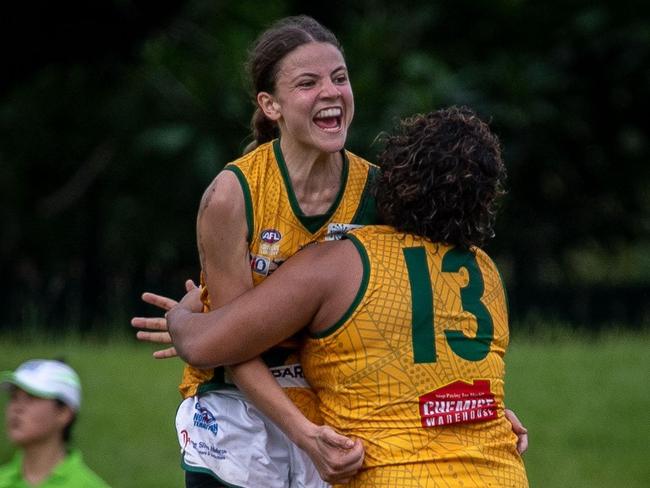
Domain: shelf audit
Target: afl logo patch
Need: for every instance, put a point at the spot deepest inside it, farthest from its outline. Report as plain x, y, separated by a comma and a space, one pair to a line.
270, 236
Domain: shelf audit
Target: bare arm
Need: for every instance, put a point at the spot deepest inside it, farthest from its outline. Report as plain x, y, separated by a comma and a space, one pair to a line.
337, 458
315, 286
223, 248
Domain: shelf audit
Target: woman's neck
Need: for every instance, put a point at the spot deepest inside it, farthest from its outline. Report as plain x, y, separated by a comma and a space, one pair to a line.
315, 176
39, 460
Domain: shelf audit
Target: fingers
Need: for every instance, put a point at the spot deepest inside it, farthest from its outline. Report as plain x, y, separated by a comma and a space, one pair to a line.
155, 337
519, 429
158, 300
355, 455
522, 443
517, 426
335, 439
192, 300
170, 352
190, 285
150, 323
345, 464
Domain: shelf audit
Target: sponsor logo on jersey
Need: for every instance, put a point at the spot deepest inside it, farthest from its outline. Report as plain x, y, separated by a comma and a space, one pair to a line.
205, 449
458, 403
336, 230
291, 371
270, 236
270, 249
185, 438
204, 419
260, 265
289, 376
263, 265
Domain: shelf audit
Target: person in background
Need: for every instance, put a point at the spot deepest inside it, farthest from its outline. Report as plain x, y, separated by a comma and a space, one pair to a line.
44, 400
407, 322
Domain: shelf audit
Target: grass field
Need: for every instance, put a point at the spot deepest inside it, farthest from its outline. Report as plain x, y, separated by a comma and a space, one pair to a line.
585, 401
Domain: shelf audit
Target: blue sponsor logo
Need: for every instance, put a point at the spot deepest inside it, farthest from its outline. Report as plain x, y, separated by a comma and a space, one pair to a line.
204, 419
270, 236
260, 265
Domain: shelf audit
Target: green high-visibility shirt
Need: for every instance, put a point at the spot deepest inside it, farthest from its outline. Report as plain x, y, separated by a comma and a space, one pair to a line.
69, 473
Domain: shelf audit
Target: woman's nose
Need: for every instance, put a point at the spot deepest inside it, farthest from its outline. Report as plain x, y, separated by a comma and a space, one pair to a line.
330, 89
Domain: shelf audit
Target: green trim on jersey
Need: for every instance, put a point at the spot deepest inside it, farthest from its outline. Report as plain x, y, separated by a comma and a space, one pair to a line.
363, 286
215, 385
311, 222
248, 201
367, 211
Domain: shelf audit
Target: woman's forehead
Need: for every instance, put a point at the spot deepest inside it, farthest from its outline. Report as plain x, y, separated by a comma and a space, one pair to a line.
311, 57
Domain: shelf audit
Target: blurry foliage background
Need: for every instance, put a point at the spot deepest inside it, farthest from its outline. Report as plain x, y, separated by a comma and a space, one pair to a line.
115, 115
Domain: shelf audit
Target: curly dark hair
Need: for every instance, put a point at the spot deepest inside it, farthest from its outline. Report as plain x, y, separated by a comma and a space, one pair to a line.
441, 177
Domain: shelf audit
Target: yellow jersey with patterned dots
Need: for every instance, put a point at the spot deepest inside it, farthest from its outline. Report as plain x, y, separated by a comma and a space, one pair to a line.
277, 229
415, 369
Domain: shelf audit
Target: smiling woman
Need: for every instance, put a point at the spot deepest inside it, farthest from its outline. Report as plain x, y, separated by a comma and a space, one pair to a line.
312, 84
295, 184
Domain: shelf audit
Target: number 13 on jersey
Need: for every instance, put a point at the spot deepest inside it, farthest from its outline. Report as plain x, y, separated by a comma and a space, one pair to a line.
423, 319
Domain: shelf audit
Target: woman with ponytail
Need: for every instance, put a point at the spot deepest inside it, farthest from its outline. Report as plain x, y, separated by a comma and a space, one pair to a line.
295, 184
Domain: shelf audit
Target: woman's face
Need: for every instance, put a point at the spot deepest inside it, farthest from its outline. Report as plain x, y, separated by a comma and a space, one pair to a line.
31, 419
313, 102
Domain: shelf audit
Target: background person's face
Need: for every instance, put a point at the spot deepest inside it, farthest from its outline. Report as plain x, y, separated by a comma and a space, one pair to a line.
31, 419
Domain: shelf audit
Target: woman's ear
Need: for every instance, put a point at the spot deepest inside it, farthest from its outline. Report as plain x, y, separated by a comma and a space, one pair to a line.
64, 415
269, 105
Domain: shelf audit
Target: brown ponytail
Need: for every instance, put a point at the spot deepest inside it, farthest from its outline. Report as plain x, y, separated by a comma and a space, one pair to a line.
263, 130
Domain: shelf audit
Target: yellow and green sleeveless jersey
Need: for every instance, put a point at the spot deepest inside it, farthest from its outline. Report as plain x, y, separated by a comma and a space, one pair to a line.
415, 367
277, 229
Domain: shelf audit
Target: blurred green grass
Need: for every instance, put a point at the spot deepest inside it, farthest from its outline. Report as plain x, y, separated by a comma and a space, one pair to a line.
584, 399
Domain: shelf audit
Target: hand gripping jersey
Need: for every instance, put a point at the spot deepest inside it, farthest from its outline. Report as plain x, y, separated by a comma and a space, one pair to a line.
415, 367
278, 229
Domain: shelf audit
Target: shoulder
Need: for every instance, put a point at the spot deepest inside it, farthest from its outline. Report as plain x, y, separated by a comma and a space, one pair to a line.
370, 232
241, 178
484, 260
78, 474
358, 160
253, 158
326, 261
10, 473
224, 193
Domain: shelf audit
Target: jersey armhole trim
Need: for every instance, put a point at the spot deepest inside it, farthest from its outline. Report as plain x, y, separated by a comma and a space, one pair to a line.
366, 213
363, 286
248, 201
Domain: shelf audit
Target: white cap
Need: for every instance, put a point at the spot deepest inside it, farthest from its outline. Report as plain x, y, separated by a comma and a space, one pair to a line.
46, 378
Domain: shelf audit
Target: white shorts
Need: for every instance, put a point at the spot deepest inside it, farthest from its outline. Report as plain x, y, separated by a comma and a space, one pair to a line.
222, 434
